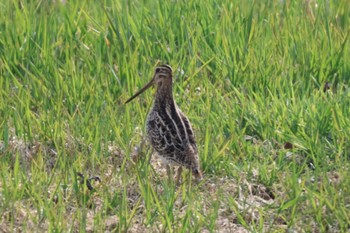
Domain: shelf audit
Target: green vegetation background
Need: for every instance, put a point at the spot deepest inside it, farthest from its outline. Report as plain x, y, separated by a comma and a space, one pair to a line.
264, 83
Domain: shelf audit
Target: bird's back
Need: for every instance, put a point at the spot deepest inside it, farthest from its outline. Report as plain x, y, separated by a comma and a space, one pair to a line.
171, 135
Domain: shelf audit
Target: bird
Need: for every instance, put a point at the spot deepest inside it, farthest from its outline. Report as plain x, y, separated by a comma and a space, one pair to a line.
168, 129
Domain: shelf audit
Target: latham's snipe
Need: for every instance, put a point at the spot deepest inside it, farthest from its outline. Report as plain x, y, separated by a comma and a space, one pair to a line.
168, 129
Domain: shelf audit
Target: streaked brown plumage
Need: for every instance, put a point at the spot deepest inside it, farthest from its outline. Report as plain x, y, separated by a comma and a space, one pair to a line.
168, 129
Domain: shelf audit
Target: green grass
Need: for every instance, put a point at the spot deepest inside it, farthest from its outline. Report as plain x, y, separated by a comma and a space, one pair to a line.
250, 75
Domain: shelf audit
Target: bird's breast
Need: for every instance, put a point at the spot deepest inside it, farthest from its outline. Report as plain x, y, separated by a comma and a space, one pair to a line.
163, 133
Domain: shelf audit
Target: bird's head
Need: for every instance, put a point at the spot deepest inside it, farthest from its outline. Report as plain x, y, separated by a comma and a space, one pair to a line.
161, 74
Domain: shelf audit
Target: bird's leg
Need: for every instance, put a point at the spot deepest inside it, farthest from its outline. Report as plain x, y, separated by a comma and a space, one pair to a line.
168, 171
178, 176
150, 157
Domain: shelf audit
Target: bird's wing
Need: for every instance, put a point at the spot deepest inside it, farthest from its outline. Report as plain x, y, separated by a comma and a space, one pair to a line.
164, 134
189, 131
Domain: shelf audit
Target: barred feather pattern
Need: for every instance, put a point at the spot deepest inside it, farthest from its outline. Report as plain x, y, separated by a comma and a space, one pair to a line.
171, 135
168, 129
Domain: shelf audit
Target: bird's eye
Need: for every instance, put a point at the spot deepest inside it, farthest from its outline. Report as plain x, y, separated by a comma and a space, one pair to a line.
157, 70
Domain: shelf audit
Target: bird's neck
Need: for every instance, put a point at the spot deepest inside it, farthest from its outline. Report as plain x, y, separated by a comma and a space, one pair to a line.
164, 94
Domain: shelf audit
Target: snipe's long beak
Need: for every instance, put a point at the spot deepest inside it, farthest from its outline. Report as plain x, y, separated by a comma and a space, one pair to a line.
148, 85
